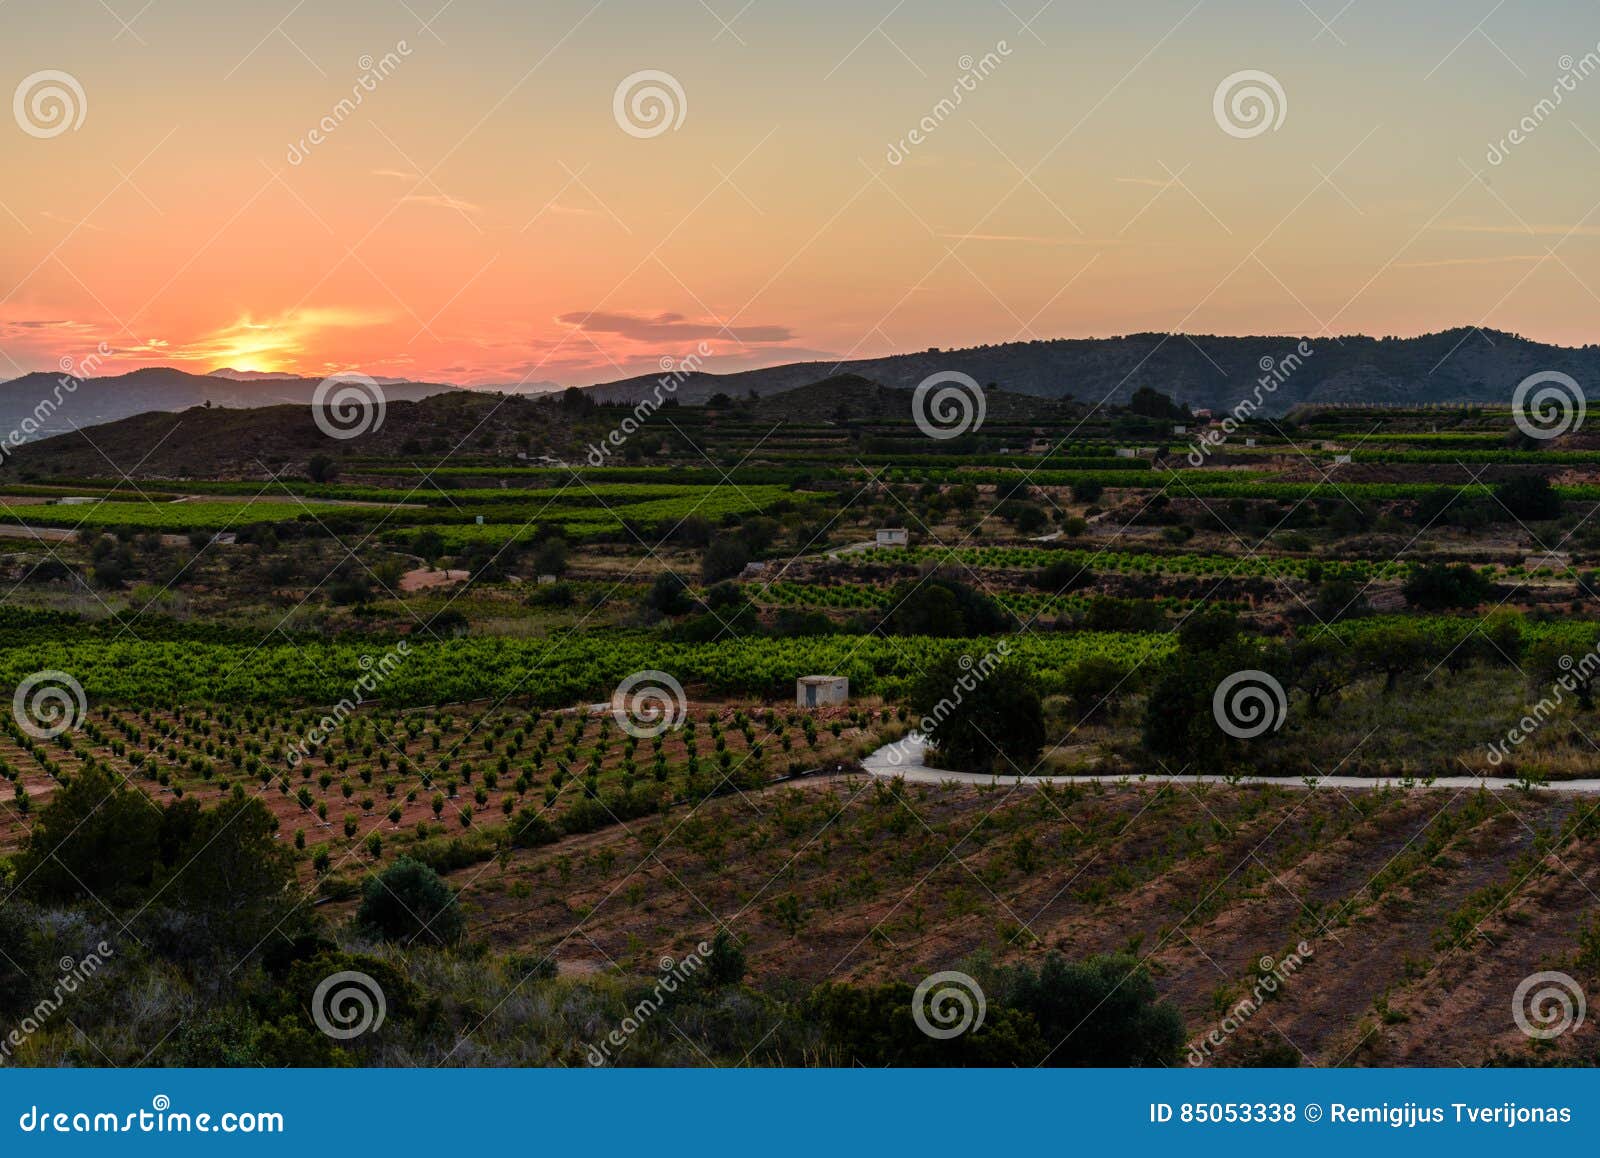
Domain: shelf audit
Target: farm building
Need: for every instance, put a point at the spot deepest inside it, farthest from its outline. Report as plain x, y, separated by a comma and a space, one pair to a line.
892, 537
816, 691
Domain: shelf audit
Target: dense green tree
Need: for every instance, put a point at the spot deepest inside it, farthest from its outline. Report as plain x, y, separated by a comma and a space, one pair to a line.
408, 902
987, 714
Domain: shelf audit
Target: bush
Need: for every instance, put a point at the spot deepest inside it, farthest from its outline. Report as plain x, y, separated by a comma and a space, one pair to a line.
989, 718
1435, 586
408, 902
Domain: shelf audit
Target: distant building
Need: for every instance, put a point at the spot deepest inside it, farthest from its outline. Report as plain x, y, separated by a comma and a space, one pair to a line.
815, 691
752, 569
1180, 429
892, 537
1340, 459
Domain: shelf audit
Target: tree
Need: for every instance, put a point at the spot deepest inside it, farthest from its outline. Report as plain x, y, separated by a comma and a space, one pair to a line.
322, 468
551, 557
940, 606
408, 902
1529, 497
1321, 667
669, 595
724, 558
1154, 404
97, 839
1435, 586
986, 716
1392, 649
1100, 1012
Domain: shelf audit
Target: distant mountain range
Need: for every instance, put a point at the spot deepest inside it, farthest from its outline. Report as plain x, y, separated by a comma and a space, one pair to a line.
1199, 370
53, 403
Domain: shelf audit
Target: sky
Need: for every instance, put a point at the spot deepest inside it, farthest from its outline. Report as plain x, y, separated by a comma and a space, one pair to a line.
463, 190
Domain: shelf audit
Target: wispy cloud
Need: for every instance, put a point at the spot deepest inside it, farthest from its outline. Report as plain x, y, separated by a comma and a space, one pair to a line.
1520, 230
668, 327
443, 201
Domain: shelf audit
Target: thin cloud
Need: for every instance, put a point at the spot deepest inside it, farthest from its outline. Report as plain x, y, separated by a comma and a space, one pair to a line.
668, 327
1470, 261
443, 201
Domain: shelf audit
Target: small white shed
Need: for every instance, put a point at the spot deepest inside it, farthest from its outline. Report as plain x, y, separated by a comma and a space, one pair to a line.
815, 691
893, 537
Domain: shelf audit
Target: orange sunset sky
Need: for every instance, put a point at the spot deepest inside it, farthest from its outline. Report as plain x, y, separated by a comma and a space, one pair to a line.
484, 214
